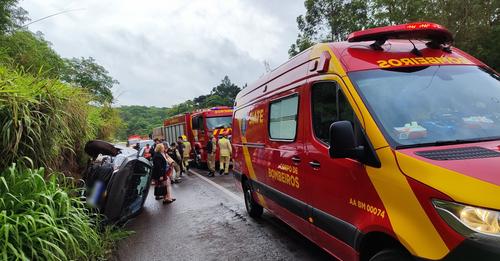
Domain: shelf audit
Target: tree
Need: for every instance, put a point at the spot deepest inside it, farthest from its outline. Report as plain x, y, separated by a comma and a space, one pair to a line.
31, 52
88, 74
329, 20
474, 23
226, 92
11, 16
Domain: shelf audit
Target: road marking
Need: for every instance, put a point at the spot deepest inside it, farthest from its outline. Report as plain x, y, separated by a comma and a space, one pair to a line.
219, 187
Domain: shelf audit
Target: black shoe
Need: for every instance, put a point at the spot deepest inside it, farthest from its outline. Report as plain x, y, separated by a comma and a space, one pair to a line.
221, 171
227, 173
211, 174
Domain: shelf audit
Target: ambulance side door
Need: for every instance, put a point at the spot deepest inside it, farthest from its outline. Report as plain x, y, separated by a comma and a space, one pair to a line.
331, 181
286, 157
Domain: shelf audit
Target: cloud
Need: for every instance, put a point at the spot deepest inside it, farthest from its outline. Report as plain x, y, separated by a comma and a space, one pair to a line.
165, 52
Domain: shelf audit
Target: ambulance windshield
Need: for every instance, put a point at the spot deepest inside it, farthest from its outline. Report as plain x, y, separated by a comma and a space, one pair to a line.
219, 122
435, 105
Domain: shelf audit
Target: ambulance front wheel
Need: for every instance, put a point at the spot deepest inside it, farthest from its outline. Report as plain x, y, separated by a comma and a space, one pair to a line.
253, 208
392, 254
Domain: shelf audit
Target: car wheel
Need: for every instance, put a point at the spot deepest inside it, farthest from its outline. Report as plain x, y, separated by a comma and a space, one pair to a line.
253, 208
392, 254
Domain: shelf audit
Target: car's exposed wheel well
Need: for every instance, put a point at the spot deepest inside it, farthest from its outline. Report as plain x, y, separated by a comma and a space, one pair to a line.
374, 242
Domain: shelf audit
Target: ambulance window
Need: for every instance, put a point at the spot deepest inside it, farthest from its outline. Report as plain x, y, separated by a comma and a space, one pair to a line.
283, 118
345, 110
324, 108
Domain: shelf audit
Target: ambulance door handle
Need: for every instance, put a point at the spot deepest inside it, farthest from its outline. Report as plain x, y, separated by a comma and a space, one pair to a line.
296, 159
315, 164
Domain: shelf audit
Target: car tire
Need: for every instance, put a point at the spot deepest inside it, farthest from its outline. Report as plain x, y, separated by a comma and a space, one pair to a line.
392, 254
253, 208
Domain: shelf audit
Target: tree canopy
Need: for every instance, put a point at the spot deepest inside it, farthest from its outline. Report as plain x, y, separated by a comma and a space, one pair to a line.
474, 23
87, 74
11, 15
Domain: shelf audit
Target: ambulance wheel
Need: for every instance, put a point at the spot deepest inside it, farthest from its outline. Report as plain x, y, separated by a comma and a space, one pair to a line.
392, 254
253, 208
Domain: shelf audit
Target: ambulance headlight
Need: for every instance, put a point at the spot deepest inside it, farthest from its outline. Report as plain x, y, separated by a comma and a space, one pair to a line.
468, 220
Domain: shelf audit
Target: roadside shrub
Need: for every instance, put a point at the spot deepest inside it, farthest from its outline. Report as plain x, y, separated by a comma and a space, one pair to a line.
43, 220
41, 119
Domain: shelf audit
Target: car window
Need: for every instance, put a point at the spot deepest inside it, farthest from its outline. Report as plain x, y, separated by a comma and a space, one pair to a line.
283, 118
424, 106
328, 104
324, 108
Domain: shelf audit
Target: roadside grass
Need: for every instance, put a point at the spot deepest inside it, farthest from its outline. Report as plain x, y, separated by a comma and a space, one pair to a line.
41, 119
43, 218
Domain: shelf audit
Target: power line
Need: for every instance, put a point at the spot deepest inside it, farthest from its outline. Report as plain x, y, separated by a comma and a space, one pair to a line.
48, 16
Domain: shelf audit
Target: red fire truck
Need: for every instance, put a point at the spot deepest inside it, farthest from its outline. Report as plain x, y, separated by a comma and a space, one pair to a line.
196, 126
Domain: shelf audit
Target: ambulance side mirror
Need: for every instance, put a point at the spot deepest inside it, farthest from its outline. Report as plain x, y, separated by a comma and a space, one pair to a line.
343, 145
342, 141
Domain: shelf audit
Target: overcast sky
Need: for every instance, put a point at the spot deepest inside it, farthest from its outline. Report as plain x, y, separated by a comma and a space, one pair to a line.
164, 52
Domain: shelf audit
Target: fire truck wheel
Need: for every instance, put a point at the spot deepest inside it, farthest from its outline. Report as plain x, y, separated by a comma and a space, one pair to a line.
392, 254
253, 208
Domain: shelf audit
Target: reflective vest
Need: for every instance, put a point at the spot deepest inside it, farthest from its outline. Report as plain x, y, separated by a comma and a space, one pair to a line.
187, 148
225, 147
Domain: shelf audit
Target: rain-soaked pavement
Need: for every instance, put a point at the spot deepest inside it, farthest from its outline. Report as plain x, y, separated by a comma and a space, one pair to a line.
210, 223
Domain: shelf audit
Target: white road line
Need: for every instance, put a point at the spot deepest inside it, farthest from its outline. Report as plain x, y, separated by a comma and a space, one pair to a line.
219, 187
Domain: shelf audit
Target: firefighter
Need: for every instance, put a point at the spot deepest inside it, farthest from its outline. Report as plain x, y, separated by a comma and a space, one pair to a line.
186, 152
211, 148
225, 151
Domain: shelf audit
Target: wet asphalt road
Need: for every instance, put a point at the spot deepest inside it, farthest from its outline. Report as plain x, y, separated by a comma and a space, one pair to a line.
206, 223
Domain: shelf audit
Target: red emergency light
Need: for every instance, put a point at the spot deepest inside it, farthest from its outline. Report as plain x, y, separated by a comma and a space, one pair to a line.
436, 33
220, 108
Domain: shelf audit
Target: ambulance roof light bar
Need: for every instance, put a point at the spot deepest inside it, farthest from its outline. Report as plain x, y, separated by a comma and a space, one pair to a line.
437, 34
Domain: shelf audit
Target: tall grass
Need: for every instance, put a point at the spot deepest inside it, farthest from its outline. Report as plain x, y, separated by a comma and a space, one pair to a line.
40, 219
41, 119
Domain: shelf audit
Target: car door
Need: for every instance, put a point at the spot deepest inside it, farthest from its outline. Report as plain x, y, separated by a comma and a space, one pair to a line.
333, 182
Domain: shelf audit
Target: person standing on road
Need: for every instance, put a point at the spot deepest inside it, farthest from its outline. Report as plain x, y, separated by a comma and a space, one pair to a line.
225, 152
211, 149
186, 152
152, 151
174, 155
147, 152
160, 173
180, 148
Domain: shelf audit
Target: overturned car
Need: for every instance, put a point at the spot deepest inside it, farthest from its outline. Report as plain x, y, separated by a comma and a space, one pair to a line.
117, 181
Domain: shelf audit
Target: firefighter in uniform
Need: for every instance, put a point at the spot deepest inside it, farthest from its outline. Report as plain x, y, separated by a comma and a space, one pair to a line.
186, 152
225, 151
211, 149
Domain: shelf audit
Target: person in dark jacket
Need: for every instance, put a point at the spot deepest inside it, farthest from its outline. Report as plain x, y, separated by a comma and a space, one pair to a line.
160, 168
152, 151
174, 155
210, 149
180, 148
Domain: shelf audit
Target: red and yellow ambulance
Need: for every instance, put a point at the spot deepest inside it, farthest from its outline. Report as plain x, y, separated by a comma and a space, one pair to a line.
383, 147
196, 127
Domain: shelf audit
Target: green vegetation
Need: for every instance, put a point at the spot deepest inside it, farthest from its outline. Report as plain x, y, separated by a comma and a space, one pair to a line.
141, 119
11, 16
475, 24
41, 119
41, 219
49, 108
87, 74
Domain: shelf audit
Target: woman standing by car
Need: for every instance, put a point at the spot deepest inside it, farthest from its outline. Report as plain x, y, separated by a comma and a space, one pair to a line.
160, 175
